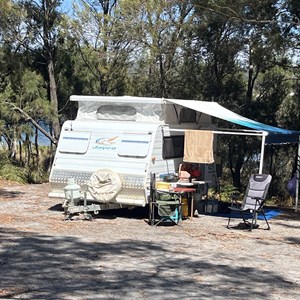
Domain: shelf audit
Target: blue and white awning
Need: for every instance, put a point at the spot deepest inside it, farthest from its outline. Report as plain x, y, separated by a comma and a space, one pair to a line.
275, 135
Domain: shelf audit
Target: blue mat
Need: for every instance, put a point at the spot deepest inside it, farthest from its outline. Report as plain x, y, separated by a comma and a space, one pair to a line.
270, 213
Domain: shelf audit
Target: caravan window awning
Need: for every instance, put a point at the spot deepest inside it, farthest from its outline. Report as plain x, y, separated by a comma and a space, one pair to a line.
275, 135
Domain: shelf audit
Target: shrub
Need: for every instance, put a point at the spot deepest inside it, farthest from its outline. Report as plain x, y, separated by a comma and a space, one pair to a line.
9, 171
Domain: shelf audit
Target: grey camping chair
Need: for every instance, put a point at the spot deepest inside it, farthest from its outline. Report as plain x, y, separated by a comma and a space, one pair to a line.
253, 201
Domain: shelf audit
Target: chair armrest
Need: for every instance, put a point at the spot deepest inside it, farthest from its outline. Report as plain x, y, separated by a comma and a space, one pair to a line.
234, 200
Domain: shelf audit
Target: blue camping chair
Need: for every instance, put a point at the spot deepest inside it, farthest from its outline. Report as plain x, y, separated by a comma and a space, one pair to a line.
253, 201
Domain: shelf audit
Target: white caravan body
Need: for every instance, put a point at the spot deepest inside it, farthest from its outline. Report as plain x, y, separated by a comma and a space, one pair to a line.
125, 136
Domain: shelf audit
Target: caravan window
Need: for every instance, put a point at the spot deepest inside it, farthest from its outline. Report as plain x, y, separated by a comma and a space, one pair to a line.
135, 145
187, 115
173, 146
74, 142
116, 112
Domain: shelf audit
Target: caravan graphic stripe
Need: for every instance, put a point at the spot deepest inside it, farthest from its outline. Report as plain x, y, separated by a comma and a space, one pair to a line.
74, 138
131, 141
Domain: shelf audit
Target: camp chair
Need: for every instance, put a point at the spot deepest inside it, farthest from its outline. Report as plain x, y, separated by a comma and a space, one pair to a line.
164, 205
253, 200
168, 207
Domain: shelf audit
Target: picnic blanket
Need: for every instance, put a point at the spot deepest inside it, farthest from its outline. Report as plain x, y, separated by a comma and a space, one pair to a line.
269, 212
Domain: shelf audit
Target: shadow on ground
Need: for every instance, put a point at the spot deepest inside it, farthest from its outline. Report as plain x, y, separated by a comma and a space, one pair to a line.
9, 194
55, 267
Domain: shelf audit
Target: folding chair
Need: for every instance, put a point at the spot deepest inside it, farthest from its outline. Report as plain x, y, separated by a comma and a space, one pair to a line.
164, 207
253, 201
168, 207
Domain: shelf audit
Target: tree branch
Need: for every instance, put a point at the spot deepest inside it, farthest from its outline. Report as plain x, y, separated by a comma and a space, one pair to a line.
34, 123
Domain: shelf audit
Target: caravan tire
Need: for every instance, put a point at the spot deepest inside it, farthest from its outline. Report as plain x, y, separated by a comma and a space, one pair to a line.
104, 185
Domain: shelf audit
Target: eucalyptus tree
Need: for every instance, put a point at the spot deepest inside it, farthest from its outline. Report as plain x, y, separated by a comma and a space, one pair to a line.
160, 28
219, 42
245, 46
39, 34
24, 99
10, 18
271, 31
104, 44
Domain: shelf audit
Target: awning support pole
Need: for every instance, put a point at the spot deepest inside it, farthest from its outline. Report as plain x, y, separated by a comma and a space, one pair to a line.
262, 154
297, 177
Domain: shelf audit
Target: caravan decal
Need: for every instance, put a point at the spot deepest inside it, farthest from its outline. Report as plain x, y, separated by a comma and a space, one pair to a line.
107, 141
106, 144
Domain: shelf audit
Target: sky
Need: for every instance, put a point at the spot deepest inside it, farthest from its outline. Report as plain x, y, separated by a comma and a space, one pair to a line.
66, 5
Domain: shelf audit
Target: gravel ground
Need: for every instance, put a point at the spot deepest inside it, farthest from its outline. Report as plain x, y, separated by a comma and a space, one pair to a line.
119, 256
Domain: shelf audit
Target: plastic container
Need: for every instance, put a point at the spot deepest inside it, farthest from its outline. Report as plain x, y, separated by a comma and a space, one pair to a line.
184, 207
161, 185
212, 206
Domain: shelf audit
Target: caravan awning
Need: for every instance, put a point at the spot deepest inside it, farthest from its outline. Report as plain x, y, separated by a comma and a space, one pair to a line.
275, 135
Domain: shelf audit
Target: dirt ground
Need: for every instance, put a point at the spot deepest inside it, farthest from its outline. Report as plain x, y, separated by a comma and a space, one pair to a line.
118, 255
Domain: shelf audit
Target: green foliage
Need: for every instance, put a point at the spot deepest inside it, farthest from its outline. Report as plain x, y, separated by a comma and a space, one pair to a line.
227, 191
10, 171
37, 175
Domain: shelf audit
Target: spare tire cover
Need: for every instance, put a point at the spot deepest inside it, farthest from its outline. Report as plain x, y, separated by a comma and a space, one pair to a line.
104, 185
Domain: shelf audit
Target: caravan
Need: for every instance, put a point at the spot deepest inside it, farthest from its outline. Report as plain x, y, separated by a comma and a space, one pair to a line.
115, 143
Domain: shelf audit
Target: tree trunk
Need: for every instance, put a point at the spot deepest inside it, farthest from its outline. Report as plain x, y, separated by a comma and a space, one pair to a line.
28, 150
21, 163
53, 97
49, 15
237, 173
14, 147
235, 168
36, 145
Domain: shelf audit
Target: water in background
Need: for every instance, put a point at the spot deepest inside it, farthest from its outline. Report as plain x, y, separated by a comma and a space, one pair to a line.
43, 140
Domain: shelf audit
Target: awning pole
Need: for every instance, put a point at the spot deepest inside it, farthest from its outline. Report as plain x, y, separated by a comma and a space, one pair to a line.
297, 177
251, 133
262, 154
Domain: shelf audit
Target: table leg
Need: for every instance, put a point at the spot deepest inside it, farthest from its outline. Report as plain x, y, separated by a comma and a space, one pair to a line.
192, 205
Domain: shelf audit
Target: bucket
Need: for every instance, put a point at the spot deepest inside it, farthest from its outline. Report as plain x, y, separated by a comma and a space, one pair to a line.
184, 207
